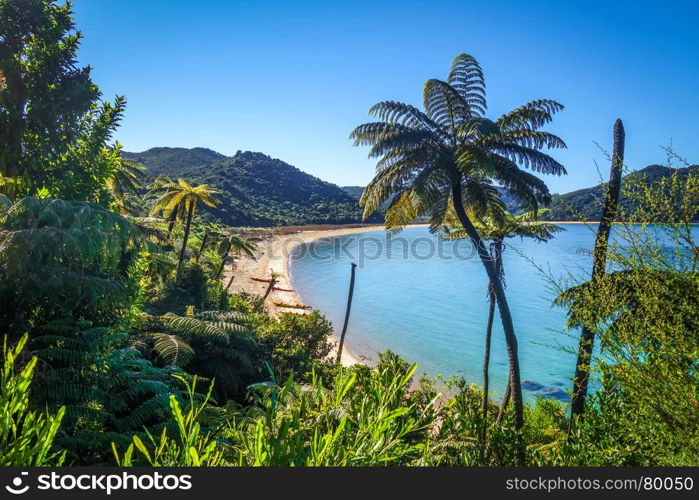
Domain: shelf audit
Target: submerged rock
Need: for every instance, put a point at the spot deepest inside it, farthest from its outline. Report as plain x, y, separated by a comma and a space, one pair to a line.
555, 393
528, 385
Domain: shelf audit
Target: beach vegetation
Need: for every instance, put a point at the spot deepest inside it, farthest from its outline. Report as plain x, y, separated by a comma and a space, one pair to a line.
122, 346
451, 155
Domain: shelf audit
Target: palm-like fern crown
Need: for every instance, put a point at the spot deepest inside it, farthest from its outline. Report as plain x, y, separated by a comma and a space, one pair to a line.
499, 224
182, 194
127, 179
239, 245
422, 153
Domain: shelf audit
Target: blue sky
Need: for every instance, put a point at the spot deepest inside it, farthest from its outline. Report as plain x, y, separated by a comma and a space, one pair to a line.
292, 79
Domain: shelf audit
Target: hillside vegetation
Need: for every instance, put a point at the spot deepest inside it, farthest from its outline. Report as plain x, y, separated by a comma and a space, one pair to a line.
122, 344
586, 204
256, 190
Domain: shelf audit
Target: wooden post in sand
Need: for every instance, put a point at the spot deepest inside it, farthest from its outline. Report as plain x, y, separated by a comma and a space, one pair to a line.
347, 314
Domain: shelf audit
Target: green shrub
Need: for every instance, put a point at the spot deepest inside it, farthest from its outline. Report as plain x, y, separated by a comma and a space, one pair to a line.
295, 344
363, 418
26, 436
190, 446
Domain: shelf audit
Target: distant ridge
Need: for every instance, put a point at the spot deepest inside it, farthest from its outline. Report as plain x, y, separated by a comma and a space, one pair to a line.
171, 161
584, 204
262, 191
257, 190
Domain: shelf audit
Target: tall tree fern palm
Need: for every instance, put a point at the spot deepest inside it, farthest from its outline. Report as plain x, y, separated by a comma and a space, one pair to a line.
126, 180
183, 194
155, 190
494, 229
237, 244
451, 154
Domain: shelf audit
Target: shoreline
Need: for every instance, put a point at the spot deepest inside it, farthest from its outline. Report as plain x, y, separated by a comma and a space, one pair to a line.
273, 257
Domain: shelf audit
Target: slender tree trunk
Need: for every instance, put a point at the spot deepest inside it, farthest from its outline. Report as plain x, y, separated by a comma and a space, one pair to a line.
223, 261
172, 218
505, 402
230, 282
347, 314
187, 229
587, 337
272, 282
503, 308
486, 363
496, 256
203, 244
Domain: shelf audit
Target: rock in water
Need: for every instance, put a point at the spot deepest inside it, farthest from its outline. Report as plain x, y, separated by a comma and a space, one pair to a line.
528, 385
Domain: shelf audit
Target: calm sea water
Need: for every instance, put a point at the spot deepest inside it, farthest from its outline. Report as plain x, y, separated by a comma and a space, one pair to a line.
430, 306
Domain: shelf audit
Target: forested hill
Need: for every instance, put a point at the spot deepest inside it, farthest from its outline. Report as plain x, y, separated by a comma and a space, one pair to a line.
257, 190
586, 204
172, 161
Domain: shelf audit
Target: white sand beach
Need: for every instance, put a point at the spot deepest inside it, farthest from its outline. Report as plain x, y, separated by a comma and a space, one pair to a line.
273, 257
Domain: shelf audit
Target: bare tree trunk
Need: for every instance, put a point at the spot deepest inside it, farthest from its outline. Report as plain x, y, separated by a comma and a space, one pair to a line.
272, 282
187, 229
486, 363
223, 261
503, 308
347, 314
203, 244
505, 402
587, 337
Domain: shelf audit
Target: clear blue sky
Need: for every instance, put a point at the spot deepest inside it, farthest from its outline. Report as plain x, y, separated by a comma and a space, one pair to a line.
293, 78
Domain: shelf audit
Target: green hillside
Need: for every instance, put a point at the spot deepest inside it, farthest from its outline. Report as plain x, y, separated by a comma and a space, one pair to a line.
354, 191
172, 161
263, 191
586, 204
257, 190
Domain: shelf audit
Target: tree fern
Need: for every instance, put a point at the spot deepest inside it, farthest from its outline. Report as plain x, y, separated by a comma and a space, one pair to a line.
450, 154
211, 344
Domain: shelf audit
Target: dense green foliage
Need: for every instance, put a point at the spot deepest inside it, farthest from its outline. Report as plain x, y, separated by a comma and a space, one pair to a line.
53, 127
26, 436
113, 316
256, 190
191, 447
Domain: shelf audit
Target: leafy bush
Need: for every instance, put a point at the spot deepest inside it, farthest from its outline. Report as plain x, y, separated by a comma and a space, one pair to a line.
191, 446
365, 417
26, 436
62, 260
210, 344
296, 344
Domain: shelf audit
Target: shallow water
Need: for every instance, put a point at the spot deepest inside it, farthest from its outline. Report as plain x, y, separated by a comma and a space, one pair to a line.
430, 306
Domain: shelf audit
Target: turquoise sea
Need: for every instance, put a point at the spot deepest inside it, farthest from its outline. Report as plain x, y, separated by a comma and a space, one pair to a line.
425, 299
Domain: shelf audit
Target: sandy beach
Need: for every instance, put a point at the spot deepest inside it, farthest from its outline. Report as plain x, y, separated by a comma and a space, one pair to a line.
273, 257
